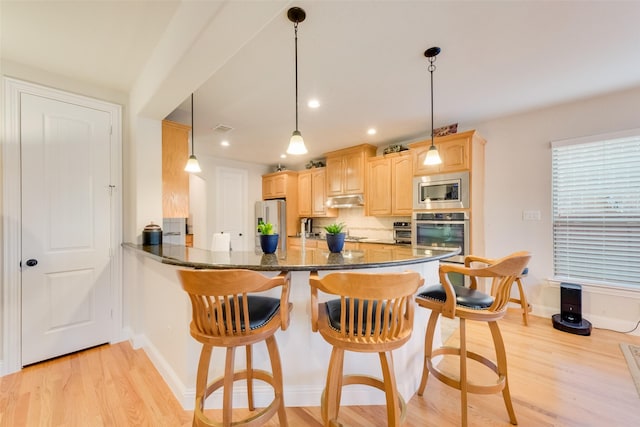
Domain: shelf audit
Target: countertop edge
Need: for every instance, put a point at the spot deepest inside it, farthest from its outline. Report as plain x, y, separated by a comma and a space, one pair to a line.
148, 251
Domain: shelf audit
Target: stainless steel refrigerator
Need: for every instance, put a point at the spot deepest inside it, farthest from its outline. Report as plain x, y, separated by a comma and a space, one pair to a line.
272, 211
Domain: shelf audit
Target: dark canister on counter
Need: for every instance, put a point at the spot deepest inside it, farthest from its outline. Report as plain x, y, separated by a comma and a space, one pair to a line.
152, 235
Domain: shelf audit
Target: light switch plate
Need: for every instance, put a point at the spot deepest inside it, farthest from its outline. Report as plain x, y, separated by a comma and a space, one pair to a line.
531, 215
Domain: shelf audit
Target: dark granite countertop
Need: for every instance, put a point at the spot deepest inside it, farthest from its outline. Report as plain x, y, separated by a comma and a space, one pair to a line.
294, 259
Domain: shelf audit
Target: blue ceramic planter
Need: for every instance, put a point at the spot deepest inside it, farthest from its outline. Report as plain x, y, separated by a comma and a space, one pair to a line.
335, 242
269, 243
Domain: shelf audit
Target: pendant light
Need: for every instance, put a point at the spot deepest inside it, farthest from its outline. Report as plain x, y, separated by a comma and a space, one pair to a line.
432, 157
296, 143
192, 164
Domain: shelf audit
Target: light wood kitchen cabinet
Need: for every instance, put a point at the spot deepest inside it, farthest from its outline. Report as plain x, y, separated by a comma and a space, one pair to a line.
278, 185
304, 193
346, 170
457, 152
296, 242
175, 181
390, 185
312, 194
402, 184
378, 200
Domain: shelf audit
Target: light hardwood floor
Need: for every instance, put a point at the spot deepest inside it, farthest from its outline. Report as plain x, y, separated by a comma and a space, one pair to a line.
557, 379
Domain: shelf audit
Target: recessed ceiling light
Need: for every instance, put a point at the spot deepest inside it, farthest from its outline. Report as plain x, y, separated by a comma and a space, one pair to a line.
313, 103
283, 156
371, 131
225, 143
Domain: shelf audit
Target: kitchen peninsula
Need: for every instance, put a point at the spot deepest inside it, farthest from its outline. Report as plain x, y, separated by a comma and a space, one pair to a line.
163, 315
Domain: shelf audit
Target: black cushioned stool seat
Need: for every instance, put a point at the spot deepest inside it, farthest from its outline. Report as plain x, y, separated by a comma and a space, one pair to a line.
334, 311
464, 296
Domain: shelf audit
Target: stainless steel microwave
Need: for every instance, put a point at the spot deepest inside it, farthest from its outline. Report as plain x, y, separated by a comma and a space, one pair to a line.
446, 191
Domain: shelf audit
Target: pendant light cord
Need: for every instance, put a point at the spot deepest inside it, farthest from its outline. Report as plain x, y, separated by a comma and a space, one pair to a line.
295, 29
431, 69
193, 130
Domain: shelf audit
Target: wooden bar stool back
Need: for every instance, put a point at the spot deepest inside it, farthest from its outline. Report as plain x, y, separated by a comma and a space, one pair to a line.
374, 314
522, 299
470, 304
227, 311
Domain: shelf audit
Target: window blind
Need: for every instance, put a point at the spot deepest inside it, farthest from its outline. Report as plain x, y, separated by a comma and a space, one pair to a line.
596, 211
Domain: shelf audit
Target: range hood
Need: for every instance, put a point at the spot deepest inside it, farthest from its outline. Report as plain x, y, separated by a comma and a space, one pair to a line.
348, 201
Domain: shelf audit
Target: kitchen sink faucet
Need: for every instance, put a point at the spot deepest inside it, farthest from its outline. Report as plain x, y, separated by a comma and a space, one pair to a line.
303, 233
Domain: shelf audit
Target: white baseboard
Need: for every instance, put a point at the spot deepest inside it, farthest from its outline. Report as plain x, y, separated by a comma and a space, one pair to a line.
598, 322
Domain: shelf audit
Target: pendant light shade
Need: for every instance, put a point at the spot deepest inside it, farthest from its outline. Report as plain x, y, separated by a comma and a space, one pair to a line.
432, 157
296, 143
192, 164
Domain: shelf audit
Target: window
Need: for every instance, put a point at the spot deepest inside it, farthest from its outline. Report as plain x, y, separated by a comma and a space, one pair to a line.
596, 209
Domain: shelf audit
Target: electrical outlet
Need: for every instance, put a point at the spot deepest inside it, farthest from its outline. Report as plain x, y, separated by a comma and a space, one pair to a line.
531, 215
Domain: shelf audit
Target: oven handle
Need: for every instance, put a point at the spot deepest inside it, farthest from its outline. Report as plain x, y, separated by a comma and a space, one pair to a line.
424, 221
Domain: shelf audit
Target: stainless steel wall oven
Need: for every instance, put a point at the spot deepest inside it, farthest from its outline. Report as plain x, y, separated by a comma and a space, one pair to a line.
402, 232
442, 229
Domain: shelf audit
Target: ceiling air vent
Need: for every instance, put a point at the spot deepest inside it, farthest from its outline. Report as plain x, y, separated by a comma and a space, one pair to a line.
223, 128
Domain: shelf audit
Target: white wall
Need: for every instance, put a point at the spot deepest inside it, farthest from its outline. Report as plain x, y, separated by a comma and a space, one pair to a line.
518, 177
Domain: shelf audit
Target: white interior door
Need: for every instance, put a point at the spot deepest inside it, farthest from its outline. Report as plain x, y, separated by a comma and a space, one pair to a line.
231, 205
66, 253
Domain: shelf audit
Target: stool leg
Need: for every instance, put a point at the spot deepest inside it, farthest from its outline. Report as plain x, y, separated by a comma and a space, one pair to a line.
523, 302
501, 357
227, 394
428, 347
390, 389
276, 372
202, 378
249, 354
463, 371
333, 388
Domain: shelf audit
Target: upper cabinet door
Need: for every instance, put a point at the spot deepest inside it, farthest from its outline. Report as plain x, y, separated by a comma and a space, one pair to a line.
402, 185
379, 192
335, 172
319, 195
304, 194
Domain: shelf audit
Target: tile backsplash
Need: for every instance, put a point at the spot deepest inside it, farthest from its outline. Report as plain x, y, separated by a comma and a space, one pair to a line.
357, 224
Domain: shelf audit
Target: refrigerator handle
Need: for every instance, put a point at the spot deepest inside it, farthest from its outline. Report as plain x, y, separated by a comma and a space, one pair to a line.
266, 214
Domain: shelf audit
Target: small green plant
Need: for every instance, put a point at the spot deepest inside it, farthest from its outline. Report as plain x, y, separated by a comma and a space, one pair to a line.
265, 228
335, 228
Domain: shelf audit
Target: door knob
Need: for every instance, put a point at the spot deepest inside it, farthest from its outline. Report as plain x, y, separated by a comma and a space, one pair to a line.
32, 262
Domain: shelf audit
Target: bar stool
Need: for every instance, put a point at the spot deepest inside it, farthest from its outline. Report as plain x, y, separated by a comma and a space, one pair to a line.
225, 315
374, 314
470, 304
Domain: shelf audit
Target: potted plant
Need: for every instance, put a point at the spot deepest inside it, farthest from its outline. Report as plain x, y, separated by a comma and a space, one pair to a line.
268, 237
335, 237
